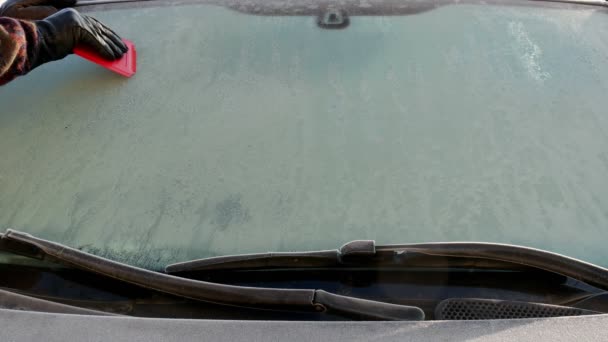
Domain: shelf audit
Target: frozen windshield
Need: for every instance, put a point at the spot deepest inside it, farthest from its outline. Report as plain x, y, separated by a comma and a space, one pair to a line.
248, 133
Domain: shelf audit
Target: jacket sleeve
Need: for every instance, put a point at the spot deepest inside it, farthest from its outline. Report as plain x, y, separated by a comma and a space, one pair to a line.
18, 46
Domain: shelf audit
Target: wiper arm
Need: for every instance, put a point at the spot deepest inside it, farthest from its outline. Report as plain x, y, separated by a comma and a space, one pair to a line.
365, 253
261, 298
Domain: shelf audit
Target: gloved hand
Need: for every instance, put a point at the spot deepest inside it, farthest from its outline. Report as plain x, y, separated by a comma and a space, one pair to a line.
33, 9
61, 32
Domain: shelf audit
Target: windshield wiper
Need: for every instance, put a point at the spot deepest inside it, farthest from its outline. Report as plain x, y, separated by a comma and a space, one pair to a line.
365, 254
261, 298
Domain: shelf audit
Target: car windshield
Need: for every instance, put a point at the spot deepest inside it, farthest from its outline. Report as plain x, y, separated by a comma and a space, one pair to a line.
251, 129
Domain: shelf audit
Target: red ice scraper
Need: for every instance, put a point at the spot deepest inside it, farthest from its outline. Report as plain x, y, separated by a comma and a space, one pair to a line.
126, 66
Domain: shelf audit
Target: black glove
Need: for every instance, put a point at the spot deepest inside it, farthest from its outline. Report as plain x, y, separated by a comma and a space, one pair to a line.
33, 9
61, 32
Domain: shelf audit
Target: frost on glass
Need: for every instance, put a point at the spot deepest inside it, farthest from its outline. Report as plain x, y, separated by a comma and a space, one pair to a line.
254, 133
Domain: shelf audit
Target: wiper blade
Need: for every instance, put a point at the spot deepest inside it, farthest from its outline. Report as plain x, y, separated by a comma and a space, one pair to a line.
357, 254
364, 253
326, 258
262, 298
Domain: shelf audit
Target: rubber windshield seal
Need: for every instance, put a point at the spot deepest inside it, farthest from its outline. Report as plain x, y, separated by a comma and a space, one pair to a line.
319, 7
